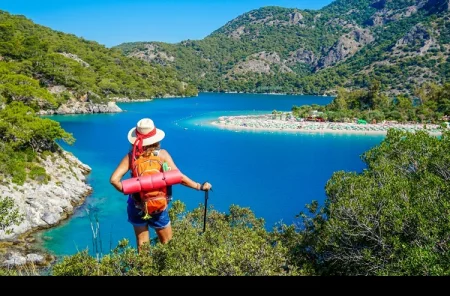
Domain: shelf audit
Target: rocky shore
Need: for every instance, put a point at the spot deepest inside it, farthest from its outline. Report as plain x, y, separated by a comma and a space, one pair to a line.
78, 107
43, 205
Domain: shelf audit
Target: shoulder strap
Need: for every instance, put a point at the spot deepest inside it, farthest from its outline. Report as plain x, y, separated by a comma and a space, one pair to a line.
131, 162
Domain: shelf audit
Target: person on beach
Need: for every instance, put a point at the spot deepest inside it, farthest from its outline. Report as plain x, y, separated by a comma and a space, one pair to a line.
145, 139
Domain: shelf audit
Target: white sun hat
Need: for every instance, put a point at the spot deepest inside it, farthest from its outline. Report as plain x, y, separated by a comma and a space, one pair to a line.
146, 128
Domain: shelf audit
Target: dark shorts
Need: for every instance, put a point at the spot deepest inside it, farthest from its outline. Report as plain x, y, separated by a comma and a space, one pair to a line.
157, 221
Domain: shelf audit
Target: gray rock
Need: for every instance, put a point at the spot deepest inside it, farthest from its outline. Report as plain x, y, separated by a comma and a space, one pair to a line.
15, 259
78, 107
35, 258
46, 205
346, 46
51, 218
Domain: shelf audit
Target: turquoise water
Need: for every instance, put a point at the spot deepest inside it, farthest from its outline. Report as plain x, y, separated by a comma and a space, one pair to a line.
274, 173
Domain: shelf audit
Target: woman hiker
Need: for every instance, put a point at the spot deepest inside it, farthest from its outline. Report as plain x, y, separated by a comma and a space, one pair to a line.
145, 140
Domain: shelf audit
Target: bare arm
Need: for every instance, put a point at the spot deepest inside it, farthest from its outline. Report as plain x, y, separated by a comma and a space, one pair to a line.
119, 172
185, 180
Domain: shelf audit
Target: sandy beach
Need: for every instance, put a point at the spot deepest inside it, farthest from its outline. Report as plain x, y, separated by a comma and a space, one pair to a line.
266, 122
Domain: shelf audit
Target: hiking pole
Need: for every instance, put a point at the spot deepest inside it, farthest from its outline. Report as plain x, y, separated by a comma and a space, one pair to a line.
204, 214
206, 207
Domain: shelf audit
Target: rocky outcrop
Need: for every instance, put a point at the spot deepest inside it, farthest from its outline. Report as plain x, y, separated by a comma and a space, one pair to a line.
261, 62
302, 56
254, 66
77, 107
43, 205
75, 58
294, 18
153, 53
236, 34
271, 57
418, 33
418, 39
386, 15
346, 46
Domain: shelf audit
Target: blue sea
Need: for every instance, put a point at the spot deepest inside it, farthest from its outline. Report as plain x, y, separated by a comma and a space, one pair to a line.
275, 174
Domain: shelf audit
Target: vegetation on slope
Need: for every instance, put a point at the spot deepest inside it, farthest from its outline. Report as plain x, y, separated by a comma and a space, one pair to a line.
34, 59
345, 44
41, 68
431, 105
391, 219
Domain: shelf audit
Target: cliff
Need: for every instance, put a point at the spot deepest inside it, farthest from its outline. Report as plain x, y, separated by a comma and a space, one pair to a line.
43, 206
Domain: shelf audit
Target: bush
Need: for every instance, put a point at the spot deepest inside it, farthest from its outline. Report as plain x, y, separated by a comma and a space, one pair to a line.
392, 219
234, 244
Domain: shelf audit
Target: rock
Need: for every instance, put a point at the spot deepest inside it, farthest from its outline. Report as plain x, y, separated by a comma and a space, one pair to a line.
77, 107
35, 258
17, 258
346, 46
46, 205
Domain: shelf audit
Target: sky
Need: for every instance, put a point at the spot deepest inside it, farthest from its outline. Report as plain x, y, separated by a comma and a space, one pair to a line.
112, 22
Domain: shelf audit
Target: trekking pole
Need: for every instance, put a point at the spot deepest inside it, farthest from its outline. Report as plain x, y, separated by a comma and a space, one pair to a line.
206, 207
204, 214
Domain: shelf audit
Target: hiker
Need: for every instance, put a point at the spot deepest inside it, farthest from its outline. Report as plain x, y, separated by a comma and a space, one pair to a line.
145, 140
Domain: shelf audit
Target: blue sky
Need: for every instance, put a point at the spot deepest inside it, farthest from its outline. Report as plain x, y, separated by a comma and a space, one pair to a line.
116, 21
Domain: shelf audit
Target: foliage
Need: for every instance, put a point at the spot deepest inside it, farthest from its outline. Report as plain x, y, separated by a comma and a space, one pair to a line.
34, 58
23, 136
430, 104
391, 219
303, 44
9, 214
18, 87
234, 244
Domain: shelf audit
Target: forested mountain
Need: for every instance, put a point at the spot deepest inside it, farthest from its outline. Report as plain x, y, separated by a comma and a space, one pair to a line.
400, 43
44, 68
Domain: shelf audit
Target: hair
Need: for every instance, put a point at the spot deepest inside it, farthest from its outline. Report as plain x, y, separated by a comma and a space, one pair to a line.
149, 148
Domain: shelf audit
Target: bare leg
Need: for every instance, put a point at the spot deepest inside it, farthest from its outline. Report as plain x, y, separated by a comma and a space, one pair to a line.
165, 234
142, 235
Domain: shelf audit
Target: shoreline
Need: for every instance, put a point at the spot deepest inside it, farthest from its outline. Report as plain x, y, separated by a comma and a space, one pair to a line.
265, 122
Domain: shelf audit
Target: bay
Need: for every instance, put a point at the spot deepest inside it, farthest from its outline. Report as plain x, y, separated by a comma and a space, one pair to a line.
274, 173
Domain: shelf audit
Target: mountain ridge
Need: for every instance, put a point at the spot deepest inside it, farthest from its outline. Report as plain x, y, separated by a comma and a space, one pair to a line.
345, 44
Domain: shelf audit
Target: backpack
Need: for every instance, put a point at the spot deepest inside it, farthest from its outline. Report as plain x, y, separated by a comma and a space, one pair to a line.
155, 201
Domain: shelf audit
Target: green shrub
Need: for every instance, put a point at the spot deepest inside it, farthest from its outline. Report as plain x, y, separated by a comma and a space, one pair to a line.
234, 244
38, 173
9, 214
391, 219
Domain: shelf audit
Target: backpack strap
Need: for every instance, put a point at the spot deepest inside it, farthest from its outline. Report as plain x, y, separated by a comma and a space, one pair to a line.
131, 160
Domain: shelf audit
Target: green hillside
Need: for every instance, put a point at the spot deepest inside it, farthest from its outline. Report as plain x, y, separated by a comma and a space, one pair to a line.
43, 68
40, 69
347, 44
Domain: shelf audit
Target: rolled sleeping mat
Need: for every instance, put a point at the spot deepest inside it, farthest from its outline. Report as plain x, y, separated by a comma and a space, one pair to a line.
132, 185
158, 181
173, 177
150, 182
147, 183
